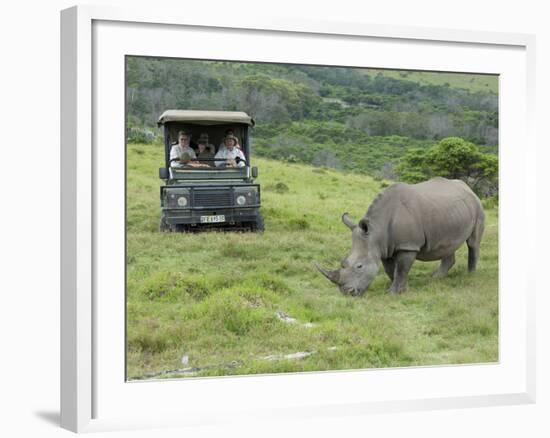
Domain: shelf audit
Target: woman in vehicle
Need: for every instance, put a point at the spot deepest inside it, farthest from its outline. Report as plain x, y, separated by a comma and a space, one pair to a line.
230, 155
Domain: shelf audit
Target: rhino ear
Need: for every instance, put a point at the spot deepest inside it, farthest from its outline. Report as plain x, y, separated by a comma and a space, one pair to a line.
364, 225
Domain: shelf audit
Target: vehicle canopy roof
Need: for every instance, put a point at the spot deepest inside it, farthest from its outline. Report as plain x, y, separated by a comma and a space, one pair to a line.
205, 117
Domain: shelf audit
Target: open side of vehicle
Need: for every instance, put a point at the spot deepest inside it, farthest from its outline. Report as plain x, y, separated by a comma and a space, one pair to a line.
204, 193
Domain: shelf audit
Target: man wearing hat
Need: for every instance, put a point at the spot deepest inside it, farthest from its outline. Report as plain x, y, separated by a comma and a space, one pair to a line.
181, 153
231, 155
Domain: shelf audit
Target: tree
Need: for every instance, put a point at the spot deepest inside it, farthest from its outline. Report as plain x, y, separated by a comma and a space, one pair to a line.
276, 100
452, 158
414, 166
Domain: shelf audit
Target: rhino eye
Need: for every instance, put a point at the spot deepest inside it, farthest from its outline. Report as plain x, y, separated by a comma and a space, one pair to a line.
359, 266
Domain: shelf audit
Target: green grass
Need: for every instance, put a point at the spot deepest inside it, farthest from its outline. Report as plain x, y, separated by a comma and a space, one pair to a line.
214, 296
467, 81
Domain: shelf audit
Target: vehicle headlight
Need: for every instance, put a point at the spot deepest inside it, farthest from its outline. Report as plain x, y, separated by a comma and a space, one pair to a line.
246, 195
177, 198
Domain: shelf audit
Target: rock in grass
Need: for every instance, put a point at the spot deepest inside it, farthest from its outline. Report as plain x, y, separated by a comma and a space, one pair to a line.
185, 359
291, 356
285, 318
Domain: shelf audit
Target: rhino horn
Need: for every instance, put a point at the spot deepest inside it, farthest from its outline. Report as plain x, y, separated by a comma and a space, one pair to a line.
333, 276
348, 222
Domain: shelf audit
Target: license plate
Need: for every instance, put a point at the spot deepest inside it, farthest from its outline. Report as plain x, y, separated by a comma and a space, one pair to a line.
212, 219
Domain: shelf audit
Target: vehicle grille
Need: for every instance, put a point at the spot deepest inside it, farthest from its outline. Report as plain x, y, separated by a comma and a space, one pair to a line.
212, 198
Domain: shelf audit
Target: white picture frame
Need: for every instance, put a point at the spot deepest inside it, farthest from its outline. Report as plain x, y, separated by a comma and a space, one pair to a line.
91, 46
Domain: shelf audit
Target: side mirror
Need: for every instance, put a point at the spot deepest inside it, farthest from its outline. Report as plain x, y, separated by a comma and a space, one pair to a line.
163, 173
254, 172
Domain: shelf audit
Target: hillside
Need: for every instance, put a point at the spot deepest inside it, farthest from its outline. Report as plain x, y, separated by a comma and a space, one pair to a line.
333, 145
336, 111
222, 301
465, 81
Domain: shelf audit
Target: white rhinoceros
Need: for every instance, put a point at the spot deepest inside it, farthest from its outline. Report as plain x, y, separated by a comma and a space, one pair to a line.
407, 222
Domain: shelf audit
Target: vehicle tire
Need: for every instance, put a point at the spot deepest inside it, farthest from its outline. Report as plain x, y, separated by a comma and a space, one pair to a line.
258, 225
163, 226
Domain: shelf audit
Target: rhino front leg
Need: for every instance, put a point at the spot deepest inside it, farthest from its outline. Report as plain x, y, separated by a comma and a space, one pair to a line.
389, 267
446, 264
403, 262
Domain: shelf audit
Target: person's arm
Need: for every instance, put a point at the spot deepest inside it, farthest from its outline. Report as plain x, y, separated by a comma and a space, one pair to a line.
242, 161
174, 157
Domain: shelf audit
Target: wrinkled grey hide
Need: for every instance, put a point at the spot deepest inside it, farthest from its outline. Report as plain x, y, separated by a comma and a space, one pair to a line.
407, 222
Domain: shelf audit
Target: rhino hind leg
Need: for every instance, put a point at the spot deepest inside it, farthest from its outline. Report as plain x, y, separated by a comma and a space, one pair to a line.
473, 255
446, 264
403, 262
473, 243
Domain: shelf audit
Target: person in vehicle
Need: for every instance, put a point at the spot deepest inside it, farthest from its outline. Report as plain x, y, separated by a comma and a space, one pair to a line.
231, 155
230, 131
205, 139
181, 153
205, 150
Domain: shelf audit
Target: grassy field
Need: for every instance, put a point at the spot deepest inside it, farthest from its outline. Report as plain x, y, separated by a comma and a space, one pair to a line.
467, 81
220, 300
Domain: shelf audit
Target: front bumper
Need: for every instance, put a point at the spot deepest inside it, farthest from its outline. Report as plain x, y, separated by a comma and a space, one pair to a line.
192, 216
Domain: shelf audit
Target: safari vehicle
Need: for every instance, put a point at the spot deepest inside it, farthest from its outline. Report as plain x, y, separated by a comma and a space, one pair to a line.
201, 196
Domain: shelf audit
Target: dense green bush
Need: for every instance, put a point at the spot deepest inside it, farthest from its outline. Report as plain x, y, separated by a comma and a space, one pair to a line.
452, 158
141, 135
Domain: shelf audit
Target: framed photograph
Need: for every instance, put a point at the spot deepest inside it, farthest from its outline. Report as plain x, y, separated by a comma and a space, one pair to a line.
286, 218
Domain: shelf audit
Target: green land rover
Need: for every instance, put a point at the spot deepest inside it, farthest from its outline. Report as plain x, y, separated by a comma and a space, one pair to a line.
205, 191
